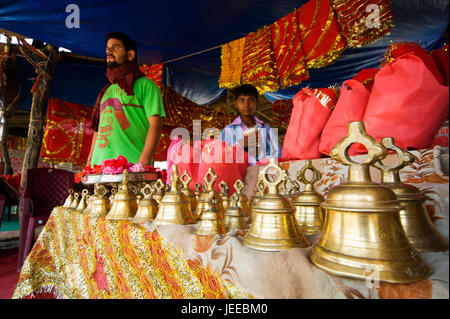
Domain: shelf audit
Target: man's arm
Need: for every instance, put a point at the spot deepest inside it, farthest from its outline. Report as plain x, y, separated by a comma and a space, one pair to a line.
94, 139
152, 139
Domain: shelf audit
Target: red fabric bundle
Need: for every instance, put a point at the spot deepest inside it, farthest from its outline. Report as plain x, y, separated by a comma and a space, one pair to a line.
350, 107
312, 108
406, 103
366, 77
398, 49
440, 57
228, 162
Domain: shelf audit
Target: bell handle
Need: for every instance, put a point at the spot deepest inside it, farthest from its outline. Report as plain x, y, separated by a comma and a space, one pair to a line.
198, 186
101, 191
71, 191
211, 200
185, 179
301, 174
405, 158
224, 187
239, 186
159, 185
84, 192
356, 133
209, 184
147, 191
234, 200
282, 176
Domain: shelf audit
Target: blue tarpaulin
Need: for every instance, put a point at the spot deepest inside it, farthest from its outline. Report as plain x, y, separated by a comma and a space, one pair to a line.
167, 30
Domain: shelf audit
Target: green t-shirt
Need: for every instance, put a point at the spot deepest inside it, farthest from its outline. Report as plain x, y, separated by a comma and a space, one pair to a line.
123, 123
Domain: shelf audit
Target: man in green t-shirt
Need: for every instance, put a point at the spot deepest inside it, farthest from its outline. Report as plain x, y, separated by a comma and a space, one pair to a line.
127, 117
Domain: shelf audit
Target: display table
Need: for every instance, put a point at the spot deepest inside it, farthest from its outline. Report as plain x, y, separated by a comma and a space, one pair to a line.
77, 256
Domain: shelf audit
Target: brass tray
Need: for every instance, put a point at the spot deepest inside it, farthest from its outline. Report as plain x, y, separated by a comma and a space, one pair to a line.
117, 178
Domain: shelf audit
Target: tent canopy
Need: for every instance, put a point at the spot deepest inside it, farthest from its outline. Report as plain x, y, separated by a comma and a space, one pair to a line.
167, 30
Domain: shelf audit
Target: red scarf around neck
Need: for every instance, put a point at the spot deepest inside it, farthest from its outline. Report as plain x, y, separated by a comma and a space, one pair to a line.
123, 75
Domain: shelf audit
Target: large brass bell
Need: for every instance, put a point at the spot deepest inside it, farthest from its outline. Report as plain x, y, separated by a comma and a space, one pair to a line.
160, 190
274, 227
211, 222
99, 203
124, 205
147, 207
234, 216
242, 198
308, 213
174, 206
69, 199
362, 234
202, 202
224, 194
186, 190
416, 222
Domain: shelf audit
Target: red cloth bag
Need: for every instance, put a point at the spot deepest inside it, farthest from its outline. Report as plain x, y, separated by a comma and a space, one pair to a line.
350, 107
312, 108
407, 103
228, 162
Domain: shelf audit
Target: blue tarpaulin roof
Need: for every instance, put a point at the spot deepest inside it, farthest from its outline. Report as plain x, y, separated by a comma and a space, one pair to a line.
166, 30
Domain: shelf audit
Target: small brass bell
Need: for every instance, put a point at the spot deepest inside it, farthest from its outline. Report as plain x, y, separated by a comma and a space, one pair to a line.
69, 199
308, 213
124, 205
75, 201
82, 204
224, 194
211, 223
234, 217
190, 195
242, 199
416, 222
99, 202
174, 206
362, 234
198, 190
202, 202
160, 187
274, 227
148, 207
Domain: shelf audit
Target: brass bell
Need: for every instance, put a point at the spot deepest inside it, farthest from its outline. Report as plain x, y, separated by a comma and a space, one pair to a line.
99, 203
75, 201
82, 204
234, 217
190, 195
124, 204
174, 206
308, 213
69, 199
211, 222
416, 222
274, 227
198, 190
224, 194
242, 199
362, 234
202, 202
160, 187
148, 207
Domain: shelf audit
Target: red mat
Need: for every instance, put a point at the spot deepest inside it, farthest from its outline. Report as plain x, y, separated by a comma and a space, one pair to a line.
8, 272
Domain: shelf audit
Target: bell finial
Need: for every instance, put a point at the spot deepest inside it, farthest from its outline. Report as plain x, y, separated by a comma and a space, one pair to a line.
224, 188
301, 175
210, 178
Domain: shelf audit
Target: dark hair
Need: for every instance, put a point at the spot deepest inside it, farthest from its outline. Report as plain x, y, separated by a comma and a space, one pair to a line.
126, 41
247, 90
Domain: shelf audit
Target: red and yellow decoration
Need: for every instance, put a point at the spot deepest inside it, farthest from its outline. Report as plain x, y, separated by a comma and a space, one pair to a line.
288, 50
321, 39
258, 66
67, 137
363, 22
82, 257
153, 72
232, 53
